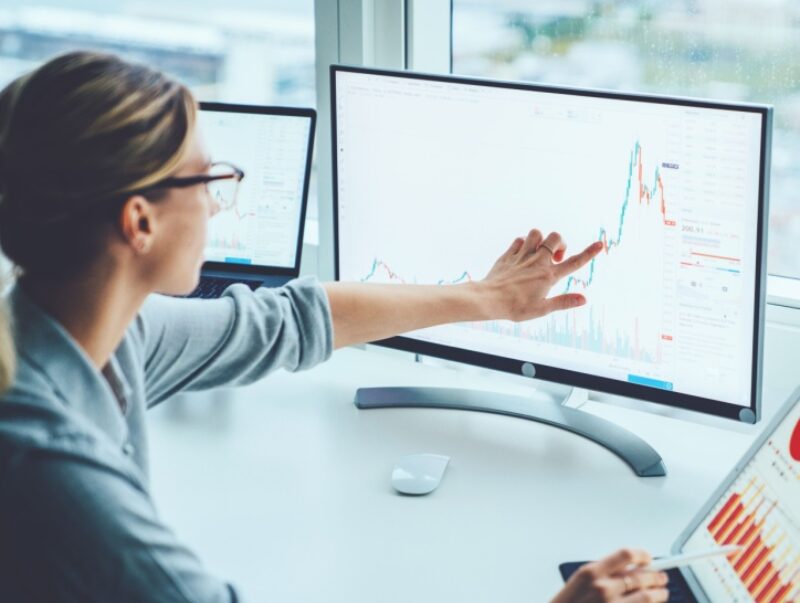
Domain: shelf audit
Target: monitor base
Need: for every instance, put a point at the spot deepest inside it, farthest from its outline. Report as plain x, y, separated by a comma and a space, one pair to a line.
637, 453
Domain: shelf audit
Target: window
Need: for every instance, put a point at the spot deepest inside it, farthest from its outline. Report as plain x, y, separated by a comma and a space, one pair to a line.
737, 50
245, 51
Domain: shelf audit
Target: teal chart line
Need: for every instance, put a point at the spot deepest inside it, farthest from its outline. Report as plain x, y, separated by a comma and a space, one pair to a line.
393, 276
645, 194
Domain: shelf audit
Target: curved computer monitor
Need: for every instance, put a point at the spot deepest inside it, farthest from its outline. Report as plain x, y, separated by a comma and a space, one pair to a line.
435, 175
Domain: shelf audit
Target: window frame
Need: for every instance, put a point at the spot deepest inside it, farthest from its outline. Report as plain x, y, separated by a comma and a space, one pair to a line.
418, 35
394, 34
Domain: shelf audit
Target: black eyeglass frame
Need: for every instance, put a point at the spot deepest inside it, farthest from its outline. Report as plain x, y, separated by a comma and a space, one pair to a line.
111, 208
187, 181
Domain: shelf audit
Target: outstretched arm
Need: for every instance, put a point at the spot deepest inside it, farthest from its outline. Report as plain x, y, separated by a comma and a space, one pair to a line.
516, 289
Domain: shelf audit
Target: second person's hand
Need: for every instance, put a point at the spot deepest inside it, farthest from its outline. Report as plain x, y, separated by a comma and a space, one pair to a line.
618, 578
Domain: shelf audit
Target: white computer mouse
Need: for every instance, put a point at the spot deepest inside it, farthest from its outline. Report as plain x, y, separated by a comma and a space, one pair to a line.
418, 474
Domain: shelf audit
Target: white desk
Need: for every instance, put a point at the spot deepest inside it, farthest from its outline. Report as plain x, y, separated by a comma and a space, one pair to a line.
283, 489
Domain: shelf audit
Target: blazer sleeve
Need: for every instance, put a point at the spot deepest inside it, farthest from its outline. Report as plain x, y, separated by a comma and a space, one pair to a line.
193, 344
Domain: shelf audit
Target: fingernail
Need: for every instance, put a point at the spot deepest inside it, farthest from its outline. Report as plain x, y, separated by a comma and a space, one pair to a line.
664, 577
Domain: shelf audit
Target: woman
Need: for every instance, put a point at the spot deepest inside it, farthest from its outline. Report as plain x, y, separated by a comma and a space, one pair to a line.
104, 182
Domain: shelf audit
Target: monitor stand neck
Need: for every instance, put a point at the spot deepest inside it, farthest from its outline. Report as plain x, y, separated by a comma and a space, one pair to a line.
562, 413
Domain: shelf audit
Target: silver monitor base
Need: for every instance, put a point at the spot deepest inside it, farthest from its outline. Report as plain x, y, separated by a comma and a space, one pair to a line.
637, 453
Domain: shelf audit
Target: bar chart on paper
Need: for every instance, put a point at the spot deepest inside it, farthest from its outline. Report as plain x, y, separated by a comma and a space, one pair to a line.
769, 565
761, 514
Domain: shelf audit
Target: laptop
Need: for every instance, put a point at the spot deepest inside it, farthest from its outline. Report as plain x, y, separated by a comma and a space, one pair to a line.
259, 240
757, 507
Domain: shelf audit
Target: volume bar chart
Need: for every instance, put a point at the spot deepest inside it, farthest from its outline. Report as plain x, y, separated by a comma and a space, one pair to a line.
562, 330
768, 565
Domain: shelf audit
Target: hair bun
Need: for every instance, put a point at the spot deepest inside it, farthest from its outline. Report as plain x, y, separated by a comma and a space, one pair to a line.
80, 125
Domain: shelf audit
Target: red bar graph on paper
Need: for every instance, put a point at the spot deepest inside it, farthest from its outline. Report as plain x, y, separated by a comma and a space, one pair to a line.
763, 569
763, 594
764, 574
724, 513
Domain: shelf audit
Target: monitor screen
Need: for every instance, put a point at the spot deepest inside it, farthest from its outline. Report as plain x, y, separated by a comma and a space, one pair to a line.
272, 147
760, 512
435, 176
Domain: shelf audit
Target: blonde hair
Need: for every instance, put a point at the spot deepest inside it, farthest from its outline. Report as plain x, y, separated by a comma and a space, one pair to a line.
7, 358
78, 135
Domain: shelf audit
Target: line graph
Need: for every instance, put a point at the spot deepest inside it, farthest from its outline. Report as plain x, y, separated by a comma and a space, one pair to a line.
602, 328
381, 266
229, 230
237, 213
644, 195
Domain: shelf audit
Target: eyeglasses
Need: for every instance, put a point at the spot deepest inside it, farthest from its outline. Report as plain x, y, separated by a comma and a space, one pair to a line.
222, 182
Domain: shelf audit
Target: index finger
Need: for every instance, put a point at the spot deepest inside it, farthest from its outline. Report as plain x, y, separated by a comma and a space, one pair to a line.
619, 561
573, 263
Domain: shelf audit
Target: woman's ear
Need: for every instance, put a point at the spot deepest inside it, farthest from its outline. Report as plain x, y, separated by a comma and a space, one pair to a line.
136, 223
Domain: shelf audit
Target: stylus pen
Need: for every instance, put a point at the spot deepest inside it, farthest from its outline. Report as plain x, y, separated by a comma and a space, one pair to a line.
665, 563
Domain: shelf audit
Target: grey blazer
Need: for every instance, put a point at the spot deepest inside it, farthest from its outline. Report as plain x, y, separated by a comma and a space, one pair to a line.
77, 522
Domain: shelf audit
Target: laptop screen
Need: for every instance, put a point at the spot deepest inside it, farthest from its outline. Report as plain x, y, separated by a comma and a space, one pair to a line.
760, 511
272, 146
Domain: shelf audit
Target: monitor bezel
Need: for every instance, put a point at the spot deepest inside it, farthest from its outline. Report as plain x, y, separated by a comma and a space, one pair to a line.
261, 269
749, 414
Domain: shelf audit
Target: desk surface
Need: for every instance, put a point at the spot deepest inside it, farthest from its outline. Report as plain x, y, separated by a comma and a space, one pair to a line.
283, 488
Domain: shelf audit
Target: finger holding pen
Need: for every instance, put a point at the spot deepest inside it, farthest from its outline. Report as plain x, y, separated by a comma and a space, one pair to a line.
619, 578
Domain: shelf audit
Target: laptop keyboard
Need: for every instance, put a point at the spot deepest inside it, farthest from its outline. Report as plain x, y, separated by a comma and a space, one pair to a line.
211, 287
